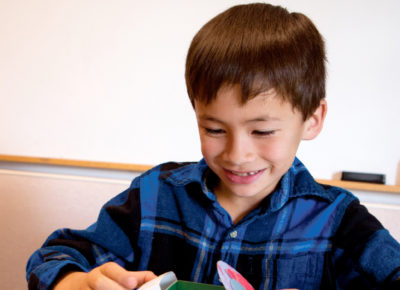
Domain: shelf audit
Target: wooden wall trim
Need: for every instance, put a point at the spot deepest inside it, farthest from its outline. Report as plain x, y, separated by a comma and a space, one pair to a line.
362, 185
142, 168
75, 163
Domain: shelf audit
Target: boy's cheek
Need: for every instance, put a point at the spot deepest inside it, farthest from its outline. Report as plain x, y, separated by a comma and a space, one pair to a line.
210, 146
273, 151
280, 148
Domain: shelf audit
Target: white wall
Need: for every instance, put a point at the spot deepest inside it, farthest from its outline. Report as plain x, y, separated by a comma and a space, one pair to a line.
101, 80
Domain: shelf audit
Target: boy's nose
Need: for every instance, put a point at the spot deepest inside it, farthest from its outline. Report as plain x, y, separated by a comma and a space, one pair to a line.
238, 151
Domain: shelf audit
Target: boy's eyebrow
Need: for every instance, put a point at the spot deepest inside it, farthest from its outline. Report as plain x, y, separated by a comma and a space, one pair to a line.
254, 120
263, 119
205, 117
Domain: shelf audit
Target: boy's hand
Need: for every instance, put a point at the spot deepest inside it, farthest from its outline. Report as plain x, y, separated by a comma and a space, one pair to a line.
108, 276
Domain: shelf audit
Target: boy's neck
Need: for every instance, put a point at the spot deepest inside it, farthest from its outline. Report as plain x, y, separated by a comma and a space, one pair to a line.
237, 207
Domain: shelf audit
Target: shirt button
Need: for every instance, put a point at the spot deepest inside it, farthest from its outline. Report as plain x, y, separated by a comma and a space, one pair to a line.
233, 234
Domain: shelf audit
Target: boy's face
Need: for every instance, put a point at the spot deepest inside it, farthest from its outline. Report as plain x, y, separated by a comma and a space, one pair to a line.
250, 146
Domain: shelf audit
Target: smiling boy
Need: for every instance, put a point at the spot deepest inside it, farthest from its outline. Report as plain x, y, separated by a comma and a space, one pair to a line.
255, 75
251, 146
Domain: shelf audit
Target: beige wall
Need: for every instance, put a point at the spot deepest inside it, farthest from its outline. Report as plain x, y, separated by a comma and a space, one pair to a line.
32, 205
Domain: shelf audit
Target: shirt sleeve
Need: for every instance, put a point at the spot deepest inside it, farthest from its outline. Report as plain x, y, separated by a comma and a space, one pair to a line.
112, 238
367, 254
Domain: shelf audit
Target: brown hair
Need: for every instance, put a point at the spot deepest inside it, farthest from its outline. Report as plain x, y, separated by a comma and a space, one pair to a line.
259, 47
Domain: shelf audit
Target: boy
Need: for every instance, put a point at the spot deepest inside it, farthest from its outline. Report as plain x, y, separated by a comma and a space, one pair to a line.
256, 78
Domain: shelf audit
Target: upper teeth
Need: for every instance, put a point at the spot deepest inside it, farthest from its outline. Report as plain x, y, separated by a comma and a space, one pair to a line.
245, 173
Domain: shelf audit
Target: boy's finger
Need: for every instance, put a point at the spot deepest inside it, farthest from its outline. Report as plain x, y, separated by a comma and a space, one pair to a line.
127, 279
140, 277
102, 282
116, 273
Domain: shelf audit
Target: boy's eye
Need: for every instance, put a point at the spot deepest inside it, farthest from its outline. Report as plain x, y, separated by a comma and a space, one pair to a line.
214, 131
264, 133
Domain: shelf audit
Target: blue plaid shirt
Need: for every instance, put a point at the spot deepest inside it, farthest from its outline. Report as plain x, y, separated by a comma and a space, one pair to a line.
304, 235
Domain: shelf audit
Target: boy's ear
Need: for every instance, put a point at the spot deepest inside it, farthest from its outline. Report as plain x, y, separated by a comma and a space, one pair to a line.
314, 124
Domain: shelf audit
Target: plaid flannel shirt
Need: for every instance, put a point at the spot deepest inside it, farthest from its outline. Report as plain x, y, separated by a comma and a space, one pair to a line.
303, 235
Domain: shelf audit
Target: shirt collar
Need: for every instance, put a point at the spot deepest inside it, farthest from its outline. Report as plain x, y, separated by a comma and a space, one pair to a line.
184, 175
297, 182
195, 172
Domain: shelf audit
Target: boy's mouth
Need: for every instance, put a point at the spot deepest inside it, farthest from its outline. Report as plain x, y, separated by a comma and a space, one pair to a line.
243, 177
244, 173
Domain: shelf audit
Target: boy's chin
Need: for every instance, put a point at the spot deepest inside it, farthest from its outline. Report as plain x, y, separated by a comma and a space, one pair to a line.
247, 190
